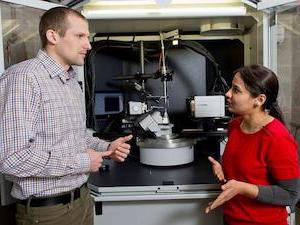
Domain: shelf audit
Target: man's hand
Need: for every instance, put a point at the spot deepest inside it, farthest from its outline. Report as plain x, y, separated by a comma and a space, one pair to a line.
96, 159
118, 150
217, 169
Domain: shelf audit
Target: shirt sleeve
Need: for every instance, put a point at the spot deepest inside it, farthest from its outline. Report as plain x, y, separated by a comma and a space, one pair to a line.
283, 163
96, 143
18, 122
286, 192
282, 158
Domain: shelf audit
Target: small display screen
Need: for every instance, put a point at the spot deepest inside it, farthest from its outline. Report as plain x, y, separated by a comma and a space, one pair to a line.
112, 104
108, 103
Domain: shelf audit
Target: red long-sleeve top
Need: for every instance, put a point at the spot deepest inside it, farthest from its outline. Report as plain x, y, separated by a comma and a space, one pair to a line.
261, 158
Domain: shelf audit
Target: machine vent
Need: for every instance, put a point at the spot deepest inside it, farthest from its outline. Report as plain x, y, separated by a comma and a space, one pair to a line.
222, 27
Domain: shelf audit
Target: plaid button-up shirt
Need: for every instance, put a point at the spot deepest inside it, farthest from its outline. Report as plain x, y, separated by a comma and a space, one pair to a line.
43, 136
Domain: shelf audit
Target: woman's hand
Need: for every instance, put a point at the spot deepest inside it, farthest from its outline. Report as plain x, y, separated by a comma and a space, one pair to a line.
217, 169
230, 190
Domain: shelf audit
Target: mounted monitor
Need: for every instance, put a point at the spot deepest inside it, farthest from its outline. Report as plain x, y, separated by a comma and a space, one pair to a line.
108, 103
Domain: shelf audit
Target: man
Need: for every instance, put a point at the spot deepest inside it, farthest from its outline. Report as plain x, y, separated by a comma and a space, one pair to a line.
45, 149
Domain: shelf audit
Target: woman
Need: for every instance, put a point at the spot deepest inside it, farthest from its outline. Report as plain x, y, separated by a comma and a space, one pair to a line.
260, 168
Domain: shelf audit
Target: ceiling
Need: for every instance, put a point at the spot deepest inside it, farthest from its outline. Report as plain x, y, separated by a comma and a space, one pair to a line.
80, 3
69, 3
150, 25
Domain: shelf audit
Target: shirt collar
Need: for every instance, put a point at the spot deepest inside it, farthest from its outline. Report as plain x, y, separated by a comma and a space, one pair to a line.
54, 69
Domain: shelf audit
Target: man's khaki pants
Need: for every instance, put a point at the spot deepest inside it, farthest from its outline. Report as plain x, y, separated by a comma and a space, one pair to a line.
78, 212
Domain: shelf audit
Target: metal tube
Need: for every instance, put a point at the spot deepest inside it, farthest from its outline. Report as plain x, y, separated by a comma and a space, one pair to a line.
142, 62
164, 73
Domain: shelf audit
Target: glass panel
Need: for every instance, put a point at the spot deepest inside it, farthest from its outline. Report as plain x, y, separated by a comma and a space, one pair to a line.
288, 66
20, 32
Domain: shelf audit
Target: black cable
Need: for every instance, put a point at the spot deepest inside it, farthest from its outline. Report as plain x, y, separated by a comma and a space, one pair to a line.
197, 47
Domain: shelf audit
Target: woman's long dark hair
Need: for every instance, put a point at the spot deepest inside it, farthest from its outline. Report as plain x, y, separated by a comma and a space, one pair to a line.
261, 80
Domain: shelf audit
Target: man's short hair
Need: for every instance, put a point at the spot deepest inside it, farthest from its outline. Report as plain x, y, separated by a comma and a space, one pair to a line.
56, 19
